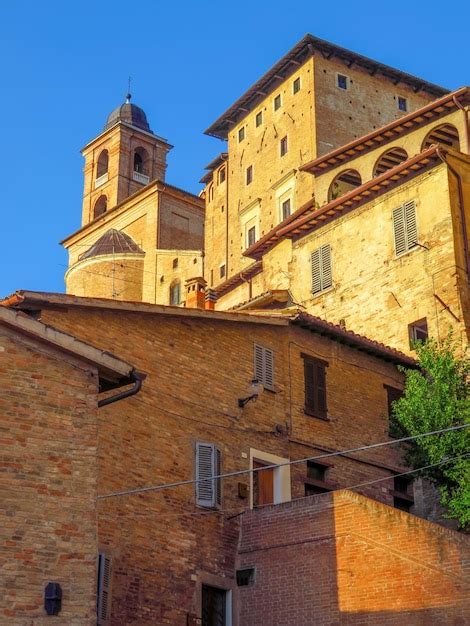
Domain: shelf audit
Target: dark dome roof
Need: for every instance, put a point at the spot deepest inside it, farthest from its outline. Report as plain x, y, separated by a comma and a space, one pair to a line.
112, 242
130, 113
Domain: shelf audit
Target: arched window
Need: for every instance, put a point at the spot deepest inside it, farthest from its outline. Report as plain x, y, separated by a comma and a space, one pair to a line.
141, 161
389, 159
210, 192
102, 167
175, 292
100, 206
344, 182
446, 135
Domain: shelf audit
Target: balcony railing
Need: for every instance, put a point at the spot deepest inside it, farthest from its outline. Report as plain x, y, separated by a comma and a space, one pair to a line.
141, 178
101, 180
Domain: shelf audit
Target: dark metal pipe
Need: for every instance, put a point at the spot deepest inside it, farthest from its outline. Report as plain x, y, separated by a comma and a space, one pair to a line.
138, 378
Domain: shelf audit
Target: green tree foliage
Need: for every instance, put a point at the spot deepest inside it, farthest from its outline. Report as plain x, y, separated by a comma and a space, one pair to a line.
437, 396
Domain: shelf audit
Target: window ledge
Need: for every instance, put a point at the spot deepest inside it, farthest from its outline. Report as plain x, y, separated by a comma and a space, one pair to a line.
317, 294
403, 254
310, 413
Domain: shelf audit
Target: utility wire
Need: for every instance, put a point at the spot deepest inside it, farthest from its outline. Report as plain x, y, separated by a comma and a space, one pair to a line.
276, 465
237, 512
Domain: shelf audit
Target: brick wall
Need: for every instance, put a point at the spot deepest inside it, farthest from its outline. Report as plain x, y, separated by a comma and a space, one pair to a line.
162, 545
48, 475
345, 559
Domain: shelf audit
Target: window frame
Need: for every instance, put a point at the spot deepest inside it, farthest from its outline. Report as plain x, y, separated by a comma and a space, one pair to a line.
241, 134
259, 116
216, 487
221, 175
264, 366
347, 81
296, 85
252, 229
405, 100
413, 326
323, 269
249, 175
283, 203
315, 395
393, 394
409, 245
222, 270
283, 146
277, 102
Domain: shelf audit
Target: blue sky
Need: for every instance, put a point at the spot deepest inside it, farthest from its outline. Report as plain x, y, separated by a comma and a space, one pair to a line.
65, 67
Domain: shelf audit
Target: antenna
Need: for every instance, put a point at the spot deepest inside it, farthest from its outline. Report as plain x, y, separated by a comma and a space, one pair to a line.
129, 96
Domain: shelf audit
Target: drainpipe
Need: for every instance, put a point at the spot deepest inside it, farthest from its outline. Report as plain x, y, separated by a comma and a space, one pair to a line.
137, 379
462, 209
227, 172
467, 125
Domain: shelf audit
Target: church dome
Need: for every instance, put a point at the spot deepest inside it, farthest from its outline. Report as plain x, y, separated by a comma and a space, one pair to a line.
112, 242
129, 113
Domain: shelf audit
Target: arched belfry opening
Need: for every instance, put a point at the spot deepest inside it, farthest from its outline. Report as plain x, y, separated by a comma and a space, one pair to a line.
103, 162
445, 134
345, 181
100, 206
141, 161
389, 159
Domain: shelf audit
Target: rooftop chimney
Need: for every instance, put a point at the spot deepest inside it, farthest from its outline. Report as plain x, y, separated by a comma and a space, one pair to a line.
195, 293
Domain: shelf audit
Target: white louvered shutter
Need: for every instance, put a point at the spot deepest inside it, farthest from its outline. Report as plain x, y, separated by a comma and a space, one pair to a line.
208, 465
104, 589
322, 276
326, 274
410, 224
316, 271
264, 366
399, 230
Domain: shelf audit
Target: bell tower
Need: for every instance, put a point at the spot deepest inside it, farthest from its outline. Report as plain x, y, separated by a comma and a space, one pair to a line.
124, 158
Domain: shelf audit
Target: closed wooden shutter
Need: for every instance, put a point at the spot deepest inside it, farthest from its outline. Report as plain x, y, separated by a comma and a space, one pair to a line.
208, 465
264, 366
104, 589
404, 227
315, 386
322, 277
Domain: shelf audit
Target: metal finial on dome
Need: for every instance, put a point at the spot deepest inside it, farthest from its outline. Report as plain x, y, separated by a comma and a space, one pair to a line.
129, 95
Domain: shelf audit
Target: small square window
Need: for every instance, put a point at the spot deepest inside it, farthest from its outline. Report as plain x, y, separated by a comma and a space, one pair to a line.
251, 236
286, 209
402, 103
241, 134
249, 174
296, 85
283, 146
245, 576
259, 118
222, 271
418, 331
277, 102
316, 471
342, 81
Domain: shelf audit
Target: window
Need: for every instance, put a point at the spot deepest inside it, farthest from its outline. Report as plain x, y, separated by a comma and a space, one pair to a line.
283, 146
251, 236
405, 230
259, 118
418, 331
241, 134
402, 498
104, 588
393, 394
342, 81
264, 366
402, 103
277, 102
100, 206
175, 263
221, 175
208, 465
322, 278
102, 167
285, 208
222, 271
296, 85
214, 606
141, 161
315, 481
175, 293
210, 192
315, 386
245, 576
249, 175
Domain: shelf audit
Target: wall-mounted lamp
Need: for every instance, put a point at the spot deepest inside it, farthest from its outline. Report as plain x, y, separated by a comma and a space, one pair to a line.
256, 388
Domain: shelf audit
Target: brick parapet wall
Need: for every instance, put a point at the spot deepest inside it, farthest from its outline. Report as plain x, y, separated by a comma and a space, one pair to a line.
342, 558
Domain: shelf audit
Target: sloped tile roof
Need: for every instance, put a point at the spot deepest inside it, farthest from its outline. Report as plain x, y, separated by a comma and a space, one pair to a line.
112, 242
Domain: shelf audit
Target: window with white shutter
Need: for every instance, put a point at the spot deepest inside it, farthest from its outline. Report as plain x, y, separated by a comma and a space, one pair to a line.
322, 276
208, 465
104, 589
264, 366
405, 230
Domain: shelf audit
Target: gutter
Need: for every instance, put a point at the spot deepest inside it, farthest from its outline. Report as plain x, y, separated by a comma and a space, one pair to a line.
137, 379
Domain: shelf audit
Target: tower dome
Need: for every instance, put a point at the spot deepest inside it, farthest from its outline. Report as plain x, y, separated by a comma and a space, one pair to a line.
129, 113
